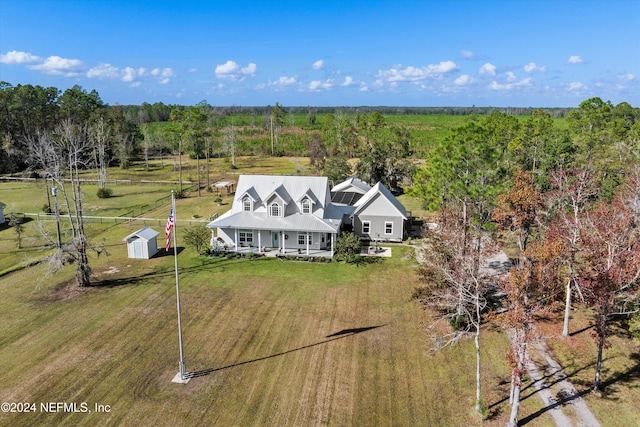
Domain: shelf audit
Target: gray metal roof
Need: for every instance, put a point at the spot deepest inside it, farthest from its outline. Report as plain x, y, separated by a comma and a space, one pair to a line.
352, 184
384, 192
261, 221
145, 233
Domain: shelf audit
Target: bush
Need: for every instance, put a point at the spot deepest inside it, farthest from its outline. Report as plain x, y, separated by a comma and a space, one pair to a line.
180, 194
104, 193
197, 238
348, 247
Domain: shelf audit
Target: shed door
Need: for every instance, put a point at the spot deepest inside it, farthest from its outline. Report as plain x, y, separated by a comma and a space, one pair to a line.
137, 249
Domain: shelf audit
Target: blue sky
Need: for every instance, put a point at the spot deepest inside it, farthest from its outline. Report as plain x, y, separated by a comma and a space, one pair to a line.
529, 53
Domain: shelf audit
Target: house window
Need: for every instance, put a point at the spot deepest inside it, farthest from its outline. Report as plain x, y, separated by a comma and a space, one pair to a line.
245, 236
366, 227
246, 204
301, 237
388, 227
306, 206
274, 210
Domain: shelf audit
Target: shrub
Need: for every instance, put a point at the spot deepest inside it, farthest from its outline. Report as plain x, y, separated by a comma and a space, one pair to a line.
197, 238
180, 194
104, 193
348, 247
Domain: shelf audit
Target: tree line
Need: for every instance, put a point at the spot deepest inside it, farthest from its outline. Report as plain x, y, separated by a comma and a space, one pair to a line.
568, 198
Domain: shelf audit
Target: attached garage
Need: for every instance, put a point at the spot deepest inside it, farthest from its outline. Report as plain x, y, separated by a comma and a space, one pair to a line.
143, 244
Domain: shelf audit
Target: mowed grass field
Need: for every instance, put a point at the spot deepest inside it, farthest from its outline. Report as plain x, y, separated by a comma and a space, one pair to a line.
270, 343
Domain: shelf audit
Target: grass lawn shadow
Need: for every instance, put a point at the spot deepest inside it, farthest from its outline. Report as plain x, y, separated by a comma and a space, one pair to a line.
332, 337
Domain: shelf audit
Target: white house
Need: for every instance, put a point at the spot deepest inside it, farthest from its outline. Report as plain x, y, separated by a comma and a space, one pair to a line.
2, 206
142, 244
284, 213
296, 214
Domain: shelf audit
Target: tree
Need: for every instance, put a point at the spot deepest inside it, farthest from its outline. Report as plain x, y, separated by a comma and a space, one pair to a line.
337, 169
276, 121
518, 212
384, 158
16, 222
100, 134
527, 147
348, 247
570, 193
229, 143
612, 268
78, 106
60, 156
198, 238
457, 283
195, 124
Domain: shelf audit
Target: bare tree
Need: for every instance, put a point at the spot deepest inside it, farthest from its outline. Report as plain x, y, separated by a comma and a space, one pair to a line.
230, 143
60, 156
100, 134
458, 283
572, 190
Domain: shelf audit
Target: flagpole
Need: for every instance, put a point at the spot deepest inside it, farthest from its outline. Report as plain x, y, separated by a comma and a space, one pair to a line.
182, 372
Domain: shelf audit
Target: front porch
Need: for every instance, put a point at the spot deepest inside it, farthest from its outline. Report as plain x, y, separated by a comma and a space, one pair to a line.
274, 252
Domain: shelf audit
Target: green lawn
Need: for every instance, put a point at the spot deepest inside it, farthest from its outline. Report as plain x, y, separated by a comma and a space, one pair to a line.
271, 342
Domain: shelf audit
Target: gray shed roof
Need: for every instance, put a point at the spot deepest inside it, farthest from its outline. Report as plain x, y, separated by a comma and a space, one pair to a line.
145, 233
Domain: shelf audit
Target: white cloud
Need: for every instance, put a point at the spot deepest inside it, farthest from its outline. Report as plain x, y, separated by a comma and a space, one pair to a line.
286, 81
488, 69
231, 70
130, 74
250, 69
192, 70
416, 74
463, 80
467, 54
104, 71
575, 59
281, 84
511, 77
59, 66
574, 86
348, 81
510, 85
15, 57
317, 85
163, 75
318, 65
531, 67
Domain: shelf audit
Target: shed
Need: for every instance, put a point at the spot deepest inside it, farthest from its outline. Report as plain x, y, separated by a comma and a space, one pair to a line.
2, 206
142, 244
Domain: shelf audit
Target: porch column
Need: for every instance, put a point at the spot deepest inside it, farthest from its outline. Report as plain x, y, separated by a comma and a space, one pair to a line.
284, 233
236, 242
332, 245
307, 243
259, 242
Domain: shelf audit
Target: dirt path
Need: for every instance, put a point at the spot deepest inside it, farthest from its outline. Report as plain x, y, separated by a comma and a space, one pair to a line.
562, 400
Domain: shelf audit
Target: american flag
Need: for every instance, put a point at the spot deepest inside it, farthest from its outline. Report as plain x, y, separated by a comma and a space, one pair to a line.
167, 230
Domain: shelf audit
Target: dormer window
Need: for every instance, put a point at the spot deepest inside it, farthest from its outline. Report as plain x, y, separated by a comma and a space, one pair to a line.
274, 209
306, 206
246, 204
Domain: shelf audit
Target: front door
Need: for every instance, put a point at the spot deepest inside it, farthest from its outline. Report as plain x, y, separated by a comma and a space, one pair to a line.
274, 239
